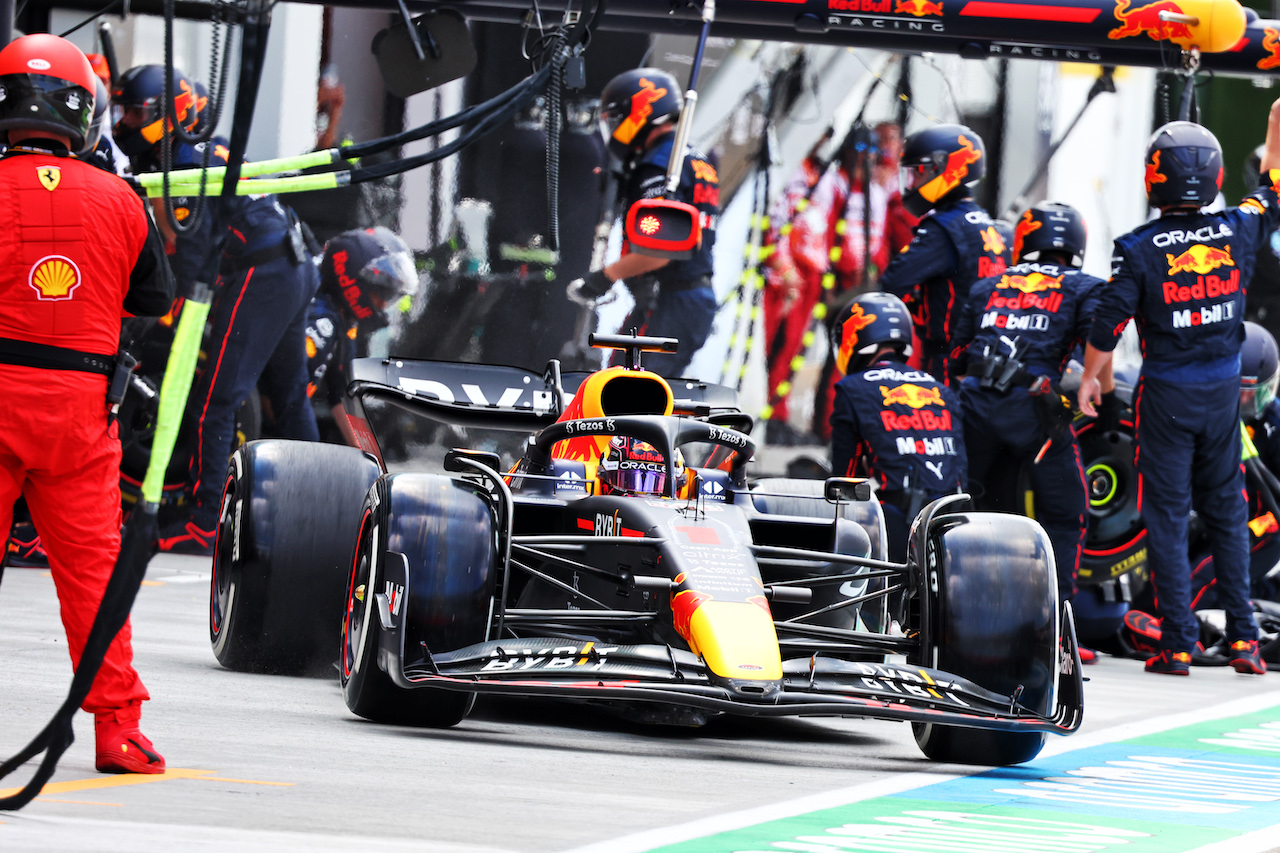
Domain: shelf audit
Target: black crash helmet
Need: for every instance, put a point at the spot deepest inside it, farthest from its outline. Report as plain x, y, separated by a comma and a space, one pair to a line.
1183, 166
939, 164
368, 271
868, 322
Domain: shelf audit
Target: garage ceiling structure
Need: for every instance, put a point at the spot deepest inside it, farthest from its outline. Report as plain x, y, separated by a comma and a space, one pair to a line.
1111, 32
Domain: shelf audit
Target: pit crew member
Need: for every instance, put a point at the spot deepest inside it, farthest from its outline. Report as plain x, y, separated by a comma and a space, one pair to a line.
79, 251
265, 278
1015, 328
363, 276
673, 298
955, 243
897, 425
1182, 277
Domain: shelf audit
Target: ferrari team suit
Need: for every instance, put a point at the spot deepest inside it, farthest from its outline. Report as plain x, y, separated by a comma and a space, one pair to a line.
1182, 278
797, 261
684, 303
78, 250
265, 280
902, 428
953, 247
1032, 314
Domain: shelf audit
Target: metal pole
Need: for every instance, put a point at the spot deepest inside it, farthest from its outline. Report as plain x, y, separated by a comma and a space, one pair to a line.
6, 21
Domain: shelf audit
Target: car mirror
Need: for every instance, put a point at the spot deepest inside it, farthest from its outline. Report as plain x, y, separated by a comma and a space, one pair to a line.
847, 489
453, 461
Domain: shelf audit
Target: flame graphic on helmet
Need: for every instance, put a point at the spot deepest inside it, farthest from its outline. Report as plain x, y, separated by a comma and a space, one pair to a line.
915, 396
854, 323
918, 8
1146, 19
1200, 259
184, 112
1033, 283
1025, 226
1271, 44
54, 278
641, 108
1153, 175
956, 170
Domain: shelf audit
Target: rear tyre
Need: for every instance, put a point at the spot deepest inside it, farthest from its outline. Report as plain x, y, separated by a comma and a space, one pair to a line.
443, 531
993, 604
280, 561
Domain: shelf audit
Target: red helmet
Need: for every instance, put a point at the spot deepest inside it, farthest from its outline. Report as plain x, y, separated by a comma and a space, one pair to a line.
634, 467
46, 84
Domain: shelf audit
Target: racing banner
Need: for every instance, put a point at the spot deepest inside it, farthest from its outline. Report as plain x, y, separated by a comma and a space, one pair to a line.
1113, 32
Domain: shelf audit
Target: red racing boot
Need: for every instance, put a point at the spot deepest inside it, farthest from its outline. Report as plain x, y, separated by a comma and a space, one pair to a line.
121, 747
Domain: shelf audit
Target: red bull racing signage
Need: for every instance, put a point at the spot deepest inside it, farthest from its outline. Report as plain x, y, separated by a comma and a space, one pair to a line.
916, 397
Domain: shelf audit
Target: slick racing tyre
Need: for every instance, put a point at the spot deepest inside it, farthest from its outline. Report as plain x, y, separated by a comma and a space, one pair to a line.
290, 511
441, 533
992, 619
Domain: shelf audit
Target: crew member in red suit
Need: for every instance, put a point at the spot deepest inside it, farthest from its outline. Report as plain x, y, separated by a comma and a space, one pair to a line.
793, 284
77, 251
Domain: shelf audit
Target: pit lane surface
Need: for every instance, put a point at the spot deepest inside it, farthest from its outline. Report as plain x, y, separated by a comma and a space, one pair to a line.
276, 763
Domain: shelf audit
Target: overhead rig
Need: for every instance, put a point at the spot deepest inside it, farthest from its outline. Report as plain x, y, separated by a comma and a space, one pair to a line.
1230, 38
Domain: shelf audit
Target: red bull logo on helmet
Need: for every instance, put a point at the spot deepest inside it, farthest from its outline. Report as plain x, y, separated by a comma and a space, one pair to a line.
641, 108
957, 169
1200, 258
1152, 175
915, 396
1025, 226
1146, 19
854, 323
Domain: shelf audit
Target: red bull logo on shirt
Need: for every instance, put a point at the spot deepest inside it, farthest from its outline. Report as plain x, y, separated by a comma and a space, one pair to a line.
914, 396
1206, 287
1200, 259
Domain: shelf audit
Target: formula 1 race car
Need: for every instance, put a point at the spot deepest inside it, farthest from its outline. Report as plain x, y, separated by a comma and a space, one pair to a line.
670, 592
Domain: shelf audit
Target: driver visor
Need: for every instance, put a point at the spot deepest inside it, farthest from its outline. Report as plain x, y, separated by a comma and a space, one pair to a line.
639, 481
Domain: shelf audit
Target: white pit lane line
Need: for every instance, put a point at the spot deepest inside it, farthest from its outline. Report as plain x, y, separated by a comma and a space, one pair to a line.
1261, 841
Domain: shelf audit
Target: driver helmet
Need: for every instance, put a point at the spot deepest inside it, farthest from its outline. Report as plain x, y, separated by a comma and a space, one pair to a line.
46, 84
939, 165
1259, 359
368, 271
635, 102
136, 101
630, 466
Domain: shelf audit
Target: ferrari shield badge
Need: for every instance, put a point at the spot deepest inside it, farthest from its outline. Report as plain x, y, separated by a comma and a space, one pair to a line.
50, 177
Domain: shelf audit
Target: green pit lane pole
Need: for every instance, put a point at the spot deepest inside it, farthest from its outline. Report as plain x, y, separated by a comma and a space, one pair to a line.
175, 388
256, 186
